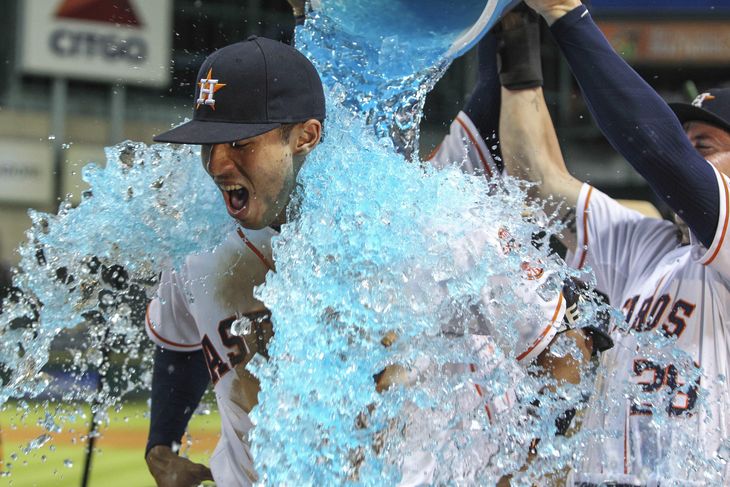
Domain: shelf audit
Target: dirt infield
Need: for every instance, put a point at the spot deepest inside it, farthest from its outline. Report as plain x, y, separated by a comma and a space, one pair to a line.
113, 437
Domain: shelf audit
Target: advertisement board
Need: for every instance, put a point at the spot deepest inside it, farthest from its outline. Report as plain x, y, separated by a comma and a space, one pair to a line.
26, 172
670, 42
120, 41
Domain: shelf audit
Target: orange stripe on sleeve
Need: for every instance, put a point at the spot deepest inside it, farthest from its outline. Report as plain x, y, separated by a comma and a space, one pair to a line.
584, 249
148, 322
473, 368
474, 142
256, 251
433, 152
545, 331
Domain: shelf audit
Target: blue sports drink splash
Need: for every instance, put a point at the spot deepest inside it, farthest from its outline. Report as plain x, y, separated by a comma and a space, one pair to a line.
91, 266
369, 251
387, 55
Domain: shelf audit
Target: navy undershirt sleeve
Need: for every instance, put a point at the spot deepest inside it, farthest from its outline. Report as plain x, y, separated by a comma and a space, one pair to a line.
640, 125
485, 100
179, 380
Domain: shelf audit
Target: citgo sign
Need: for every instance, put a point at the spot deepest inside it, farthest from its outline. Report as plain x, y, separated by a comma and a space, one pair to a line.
106, 40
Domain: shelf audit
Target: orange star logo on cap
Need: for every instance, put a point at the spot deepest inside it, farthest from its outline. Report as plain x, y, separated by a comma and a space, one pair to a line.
208, 87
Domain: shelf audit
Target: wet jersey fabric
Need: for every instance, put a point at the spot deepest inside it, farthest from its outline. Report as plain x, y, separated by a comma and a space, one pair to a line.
662, 393
465, 148
194, 309
196, 306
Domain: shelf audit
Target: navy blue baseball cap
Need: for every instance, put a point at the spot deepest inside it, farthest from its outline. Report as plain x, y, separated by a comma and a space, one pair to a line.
711, 107
247, 89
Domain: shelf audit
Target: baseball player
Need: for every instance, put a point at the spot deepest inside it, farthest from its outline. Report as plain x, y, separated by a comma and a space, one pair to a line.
205, 315
259, 109
659, 413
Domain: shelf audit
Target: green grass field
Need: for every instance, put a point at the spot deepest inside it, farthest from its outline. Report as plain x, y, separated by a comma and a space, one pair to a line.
118, 460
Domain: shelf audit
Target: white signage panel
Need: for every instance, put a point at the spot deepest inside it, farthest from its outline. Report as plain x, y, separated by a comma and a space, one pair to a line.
121, 41
26, 172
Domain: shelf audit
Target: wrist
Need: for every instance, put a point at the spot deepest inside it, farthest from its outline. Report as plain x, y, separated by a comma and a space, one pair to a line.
158, 451
556, 12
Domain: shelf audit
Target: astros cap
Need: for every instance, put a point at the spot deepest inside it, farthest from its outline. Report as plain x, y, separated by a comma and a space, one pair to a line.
711, 107
247, 89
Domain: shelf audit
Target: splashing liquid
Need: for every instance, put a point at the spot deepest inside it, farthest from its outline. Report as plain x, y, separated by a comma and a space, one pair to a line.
384, 69
372, 249
376, 246
87, 272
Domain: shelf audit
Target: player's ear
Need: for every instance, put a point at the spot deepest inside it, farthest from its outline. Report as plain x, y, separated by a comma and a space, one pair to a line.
308, 135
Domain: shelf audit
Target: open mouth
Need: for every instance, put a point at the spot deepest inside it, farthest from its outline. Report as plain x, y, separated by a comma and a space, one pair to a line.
236, 197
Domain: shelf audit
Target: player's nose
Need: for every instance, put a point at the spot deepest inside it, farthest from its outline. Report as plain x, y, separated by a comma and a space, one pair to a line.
219, 159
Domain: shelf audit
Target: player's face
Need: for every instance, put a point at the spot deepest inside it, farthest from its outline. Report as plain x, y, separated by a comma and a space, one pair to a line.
256, 176
712, 142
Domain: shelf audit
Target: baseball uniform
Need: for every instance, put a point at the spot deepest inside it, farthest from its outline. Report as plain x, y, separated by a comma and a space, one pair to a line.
194, 309
196, 306
662, 395
465, 148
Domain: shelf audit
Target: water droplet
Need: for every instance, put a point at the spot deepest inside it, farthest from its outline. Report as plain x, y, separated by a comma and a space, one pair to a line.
39, 441
241, 327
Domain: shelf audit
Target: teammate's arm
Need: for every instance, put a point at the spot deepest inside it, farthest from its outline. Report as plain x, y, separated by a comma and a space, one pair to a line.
588, 340
530, 146
634, 119
179, 380
483, 104
531, 151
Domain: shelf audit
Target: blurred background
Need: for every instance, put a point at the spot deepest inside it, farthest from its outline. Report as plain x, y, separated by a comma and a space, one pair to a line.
79, 75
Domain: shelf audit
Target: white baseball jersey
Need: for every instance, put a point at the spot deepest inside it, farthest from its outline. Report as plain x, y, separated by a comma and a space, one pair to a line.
464, 147
666, 291
195, 307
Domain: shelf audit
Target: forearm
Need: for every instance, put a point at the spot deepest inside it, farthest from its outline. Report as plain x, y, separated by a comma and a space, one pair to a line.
179, 380
531, 151
530, 145
483, 106
639, 124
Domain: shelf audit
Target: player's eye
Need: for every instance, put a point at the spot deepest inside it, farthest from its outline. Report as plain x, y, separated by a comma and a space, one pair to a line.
240, 144
704, 148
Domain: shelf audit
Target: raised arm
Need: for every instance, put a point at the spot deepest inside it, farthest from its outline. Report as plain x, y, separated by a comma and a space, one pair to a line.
634, 119
530, 146
483, 104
